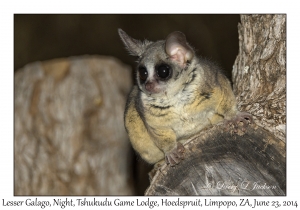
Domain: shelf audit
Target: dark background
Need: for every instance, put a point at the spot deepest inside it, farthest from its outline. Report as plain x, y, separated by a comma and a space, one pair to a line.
44, 37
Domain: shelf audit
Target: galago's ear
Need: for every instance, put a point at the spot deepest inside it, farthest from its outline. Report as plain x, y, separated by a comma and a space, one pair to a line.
134, 46
178, 49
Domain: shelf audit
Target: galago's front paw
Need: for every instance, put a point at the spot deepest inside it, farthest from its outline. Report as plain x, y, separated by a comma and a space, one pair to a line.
176, 155
239, 123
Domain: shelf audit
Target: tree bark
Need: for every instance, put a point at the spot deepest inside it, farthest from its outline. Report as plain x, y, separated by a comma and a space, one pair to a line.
259, 72
220, 163
69, 131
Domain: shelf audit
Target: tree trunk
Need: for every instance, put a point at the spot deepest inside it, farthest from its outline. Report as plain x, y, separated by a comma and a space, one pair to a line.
220, 163
69, 131
259, 72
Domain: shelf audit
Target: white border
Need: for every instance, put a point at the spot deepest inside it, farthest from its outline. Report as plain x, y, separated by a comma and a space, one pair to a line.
8, 8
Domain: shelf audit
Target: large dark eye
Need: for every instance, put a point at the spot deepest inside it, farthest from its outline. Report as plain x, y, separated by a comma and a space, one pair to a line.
143, 73
163, 71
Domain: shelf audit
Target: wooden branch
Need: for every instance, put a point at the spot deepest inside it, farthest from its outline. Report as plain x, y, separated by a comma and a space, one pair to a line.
220, 163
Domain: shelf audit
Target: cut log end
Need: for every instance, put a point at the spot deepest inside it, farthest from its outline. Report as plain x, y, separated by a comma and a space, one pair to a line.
221, 163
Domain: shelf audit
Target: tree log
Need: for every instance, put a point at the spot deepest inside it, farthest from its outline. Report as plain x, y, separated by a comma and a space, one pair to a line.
221, 163
69, 132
